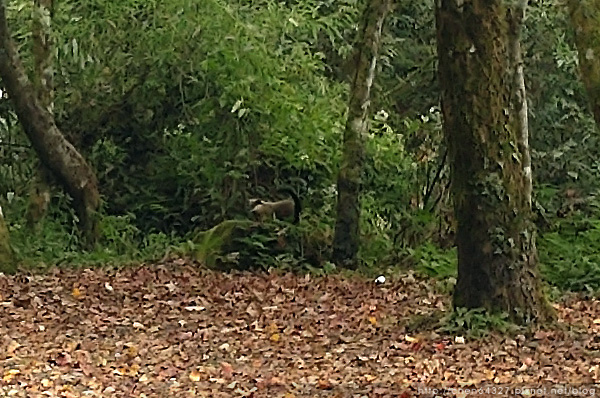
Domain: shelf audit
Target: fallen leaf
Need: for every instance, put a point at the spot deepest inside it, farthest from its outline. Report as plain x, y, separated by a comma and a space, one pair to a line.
10, 374
194, 308
272, 328
195, 375
226, 369
76, 293
324, 385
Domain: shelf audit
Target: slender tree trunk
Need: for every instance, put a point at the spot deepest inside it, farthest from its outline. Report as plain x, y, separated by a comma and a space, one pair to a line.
484, 125
519, 99
39, 195
585, 18
53, 149
346, 238
7, 259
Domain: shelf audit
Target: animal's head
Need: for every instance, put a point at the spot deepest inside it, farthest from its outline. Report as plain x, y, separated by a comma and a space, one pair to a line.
257, 208
253, 202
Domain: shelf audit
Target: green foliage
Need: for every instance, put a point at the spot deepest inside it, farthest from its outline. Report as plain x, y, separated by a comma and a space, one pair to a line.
570, 256
245, 244
392, 200
227, 242
475, 323
563, 135
435, 262
408, 78
188, 108
57, 241
198, 102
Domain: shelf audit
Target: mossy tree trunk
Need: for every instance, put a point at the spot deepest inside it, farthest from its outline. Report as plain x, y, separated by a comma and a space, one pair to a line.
346, 238
483, 125
7, 259
43, 81
54, 150
585, 18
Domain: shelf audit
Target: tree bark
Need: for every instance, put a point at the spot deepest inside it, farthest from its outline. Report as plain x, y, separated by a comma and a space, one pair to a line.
585, 18
7, 259
519, 93
53, 149
43, 81
484, 123
346, 238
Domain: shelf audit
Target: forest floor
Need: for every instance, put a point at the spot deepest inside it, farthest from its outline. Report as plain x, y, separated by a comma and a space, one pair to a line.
172, 330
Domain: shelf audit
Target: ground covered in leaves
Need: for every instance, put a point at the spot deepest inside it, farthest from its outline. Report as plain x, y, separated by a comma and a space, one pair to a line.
174, 331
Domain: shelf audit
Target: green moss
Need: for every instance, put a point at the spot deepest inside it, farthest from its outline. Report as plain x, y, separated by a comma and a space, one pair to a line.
212, 244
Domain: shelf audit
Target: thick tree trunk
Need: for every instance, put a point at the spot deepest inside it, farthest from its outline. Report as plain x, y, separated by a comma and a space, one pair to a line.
43, 81
7, 259
585, 18
483, 124
53, 149
346, 238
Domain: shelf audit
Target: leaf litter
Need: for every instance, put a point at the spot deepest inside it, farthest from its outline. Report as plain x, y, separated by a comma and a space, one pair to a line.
175, 330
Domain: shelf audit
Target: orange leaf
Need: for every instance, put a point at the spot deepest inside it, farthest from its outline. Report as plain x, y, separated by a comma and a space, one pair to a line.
9, 374
76, 293
195, 375
324, 385
133, 369
275, 337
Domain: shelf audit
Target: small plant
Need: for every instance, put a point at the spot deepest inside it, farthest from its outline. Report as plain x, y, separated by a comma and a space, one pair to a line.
435, 262
475, 322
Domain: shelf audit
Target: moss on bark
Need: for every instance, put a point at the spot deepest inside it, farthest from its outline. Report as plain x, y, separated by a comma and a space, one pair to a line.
497, 259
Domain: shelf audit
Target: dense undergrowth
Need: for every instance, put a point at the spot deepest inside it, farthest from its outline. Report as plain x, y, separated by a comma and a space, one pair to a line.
569, 249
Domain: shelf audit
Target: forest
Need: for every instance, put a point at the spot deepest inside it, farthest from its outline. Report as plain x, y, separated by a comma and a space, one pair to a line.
299, 198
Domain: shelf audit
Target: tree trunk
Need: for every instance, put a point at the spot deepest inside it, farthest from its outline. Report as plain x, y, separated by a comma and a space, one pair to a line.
585, 18
346, 238
484, 124
39, 195
53, 149
519, 93
7, 259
